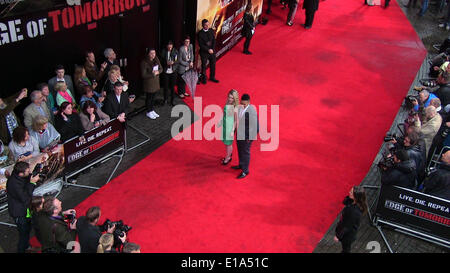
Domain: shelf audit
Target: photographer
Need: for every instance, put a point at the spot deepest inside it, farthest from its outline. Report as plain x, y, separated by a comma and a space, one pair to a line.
438, 183
19, 188
411, 145
89, 232
57, 233
402, 173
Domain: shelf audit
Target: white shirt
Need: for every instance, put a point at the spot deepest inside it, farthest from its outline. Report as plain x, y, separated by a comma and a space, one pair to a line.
118, 98
243, 111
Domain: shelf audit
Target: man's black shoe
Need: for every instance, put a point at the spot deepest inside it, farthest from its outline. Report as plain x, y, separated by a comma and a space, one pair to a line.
214, 80
237, 167
247, 52
268, 11
242, 175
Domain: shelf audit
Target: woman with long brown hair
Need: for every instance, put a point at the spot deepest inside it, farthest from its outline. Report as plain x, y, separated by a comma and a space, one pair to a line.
350, 217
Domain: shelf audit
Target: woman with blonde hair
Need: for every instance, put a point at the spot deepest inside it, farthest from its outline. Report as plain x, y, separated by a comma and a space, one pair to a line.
105, 243
44, 133
229, 123
64, 94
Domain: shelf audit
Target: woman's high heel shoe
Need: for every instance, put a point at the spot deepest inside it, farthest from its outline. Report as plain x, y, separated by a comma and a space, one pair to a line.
226, 162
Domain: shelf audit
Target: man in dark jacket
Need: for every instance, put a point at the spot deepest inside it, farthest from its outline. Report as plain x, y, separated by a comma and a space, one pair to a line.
116, 103
207, 44
402, 174
8, 119
248, 28
438, 184
56, 234
20, 187
412, 147
310, 7
89, 232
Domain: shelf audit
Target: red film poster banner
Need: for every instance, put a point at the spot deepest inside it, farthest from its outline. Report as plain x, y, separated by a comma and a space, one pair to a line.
28, 19
226, 19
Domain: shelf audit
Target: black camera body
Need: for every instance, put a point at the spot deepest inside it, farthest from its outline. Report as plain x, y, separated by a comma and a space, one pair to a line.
70, 218
120, 230
386, 162
445, 132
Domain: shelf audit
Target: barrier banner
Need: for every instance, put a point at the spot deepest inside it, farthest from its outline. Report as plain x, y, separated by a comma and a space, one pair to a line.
419, 212
98, 143
226, 19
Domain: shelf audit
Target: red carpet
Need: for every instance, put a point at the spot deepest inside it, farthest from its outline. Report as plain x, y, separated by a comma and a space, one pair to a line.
339, 86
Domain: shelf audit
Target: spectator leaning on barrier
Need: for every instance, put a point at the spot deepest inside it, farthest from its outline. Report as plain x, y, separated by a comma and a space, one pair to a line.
116, 103
23, 146
92, 117
56, 233
45, 134
19, 188
438, 183
67, 123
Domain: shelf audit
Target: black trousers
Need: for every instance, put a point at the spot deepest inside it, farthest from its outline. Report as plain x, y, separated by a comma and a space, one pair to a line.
150, 101
181, 84
309, 14
24, 229
212, 64
169, 81
243, 147
248, 38
346, 246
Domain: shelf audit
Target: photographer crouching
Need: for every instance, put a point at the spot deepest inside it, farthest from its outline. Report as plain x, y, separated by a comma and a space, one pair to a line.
89, 232
398, 170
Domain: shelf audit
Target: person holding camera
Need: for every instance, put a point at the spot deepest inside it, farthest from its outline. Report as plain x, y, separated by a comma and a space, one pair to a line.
438, 182
89, 232
19, 187
403, 172
350, 217
60, 228
411, 145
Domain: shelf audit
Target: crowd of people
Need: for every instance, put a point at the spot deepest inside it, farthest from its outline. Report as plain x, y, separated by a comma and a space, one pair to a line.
427, 137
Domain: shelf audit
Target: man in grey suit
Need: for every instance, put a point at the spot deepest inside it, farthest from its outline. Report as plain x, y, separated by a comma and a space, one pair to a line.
60, 77
185, 62
37, 107
247, 130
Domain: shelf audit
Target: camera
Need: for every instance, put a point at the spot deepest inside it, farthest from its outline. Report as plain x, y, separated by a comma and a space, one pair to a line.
445, 132
386, 162
409, 101
70, 218
390, 137
120, 230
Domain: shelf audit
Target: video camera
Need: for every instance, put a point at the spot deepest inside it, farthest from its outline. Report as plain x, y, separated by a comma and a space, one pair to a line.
387, 162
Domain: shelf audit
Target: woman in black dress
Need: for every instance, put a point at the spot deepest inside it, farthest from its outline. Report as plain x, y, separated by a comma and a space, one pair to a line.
350, 218
67, 123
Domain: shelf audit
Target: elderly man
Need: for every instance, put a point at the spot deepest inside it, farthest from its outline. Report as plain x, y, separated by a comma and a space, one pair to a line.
8, 120
111, 59
438, 183
425, 98
60, 77
430, 125
37, 107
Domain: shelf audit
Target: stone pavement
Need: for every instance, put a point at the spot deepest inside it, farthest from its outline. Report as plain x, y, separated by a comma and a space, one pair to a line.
159, 132
428, 30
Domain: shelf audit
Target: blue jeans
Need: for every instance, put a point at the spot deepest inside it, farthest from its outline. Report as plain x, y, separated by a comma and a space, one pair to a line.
24, 229
424, 7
